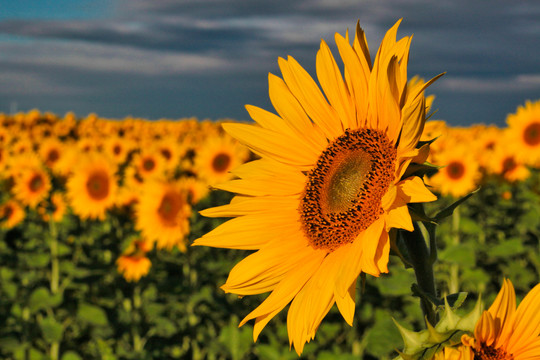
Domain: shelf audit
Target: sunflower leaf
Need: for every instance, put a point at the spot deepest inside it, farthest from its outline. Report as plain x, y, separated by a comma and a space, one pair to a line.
450, 209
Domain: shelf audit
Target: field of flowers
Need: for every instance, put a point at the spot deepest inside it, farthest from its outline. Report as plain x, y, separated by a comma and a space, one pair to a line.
98, 215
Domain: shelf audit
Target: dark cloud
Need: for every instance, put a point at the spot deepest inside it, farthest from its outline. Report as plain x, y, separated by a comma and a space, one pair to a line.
218, 52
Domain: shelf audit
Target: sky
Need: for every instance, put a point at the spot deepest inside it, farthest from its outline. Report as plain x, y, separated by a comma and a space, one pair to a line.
208, 58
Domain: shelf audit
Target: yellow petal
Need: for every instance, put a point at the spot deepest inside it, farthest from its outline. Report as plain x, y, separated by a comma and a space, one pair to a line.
281, 147
526, 321
310, 97
399, 217
246, 205
346, 304
251, 232
260, 272
358, 76
334, 87
294, 115
413, 190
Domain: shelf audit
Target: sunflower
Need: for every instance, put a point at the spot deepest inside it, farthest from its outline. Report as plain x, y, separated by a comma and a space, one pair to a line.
460, 174
133, 267
216, 156
118, 148
11, 214
51, 151
319, 204
91, 189
32, 185
148, 163
504, 332
162, 213
505, 161
524, 130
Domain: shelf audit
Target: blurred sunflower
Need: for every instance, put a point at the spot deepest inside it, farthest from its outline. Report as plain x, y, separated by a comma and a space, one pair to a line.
50, 151
118, 148
216, 156
148, 163
504, 161
504, 332
460, 174
162, 213
91, 189
171, 152
11, 214
319, 204
133, 267
32, 185
524, 132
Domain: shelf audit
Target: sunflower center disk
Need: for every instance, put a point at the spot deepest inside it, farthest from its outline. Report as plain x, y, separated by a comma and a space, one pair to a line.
221, 162
169, 208
531, 134
98, 185
343, 193
455, 170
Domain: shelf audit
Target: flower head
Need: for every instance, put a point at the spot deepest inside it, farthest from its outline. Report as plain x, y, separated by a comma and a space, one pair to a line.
331, 182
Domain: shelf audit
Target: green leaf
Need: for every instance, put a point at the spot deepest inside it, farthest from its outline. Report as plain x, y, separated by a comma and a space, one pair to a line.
507, 248
71, 355
450, 209
461, 254
456, 300
9, 344
41, 298
92, 314
52, 330
165, 327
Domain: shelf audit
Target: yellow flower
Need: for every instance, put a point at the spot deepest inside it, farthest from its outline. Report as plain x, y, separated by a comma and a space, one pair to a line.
133, 267
51, 152
524, 130
32, 185
319, 204
460, 174
91, 189
148, 163
11, 214
162, 213
216, 157
504, 332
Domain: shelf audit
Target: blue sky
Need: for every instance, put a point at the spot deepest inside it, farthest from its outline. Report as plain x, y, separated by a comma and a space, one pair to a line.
208, 58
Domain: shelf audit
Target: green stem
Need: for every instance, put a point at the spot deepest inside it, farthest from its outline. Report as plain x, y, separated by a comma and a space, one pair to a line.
453, 286
423, 269
136, 300
55, 276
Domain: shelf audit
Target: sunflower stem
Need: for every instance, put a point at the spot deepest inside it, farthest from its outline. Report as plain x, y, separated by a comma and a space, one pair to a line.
423, 269
453, 286
55, 277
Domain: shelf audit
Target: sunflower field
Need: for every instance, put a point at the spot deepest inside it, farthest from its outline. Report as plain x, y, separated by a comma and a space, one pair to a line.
98, 217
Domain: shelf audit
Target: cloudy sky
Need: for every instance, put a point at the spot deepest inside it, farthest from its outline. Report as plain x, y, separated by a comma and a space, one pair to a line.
208, 58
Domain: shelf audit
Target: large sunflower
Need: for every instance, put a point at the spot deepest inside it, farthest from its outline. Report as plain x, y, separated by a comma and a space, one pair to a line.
331, 182
91, 189
504, 332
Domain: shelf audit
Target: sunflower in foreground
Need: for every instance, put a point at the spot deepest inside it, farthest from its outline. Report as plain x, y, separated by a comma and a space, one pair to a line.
92, 187
502, 332
332, 181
